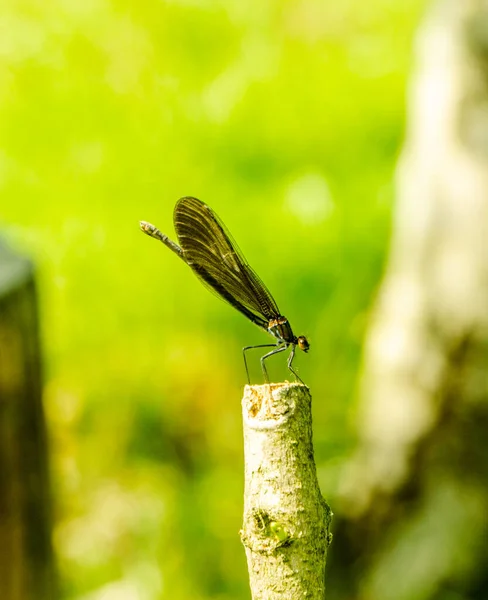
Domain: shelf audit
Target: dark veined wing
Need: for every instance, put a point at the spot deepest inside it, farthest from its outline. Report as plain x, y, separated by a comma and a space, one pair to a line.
210, 252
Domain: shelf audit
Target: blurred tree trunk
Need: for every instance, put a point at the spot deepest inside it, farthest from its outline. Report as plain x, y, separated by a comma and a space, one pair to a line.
415, 495
26, 563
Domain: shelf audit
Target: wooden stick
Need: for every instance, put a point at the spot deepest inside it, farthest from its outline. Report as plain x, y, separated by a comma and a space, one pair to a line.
286, 520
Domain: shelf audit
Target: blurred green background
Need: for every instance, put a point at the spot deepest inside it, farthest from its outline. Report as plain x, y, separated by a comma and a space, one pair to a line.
287, 118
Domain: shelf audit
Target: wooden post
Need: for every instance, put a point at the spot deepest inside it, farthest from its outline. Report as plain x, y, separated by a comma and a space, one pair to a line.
286, 520
26, 557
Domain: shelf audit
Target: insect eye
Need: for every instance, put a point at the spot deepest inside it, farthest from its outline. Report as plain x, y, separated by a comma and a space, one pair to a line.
303, 343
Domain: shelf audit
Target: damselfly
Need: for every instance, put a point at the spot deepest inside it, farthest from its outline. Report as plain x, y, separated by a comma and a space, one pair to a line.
208, 249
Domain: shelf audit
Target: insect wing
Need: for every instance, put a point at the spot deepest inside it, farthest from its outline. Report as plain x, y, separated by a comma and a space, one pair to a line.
211, 253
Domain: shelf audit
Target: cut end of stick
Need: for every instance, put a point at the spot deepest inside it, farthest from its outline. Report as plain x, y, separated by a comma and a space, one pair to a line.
271, 401
264, 388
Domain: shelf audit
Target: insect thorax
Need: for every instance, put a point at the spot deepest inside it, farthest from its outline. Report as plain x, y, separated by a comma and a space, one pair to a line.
281, 330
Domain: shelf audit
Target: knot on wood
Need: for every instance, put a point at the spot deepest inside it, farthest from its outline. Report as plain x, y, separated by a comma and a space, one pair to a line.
264, 533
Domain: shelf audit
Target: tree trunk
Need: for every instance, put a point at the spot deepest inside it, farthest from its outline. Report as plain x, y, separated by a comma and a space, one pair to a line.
415, 495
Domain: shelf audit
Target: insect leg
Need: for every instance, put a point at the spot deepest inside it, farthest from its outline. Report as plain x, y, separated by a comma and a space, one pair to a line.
263, 358
250, 348
289, 363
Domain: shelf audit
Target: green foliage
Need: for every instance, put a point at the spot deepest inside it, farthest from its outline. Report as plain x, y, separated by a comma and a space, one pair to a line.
287, 118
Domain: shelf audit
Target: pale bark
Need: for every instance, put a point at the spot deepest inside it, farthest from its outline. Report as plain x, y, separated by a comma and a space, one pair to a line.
286, 520
415, 494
